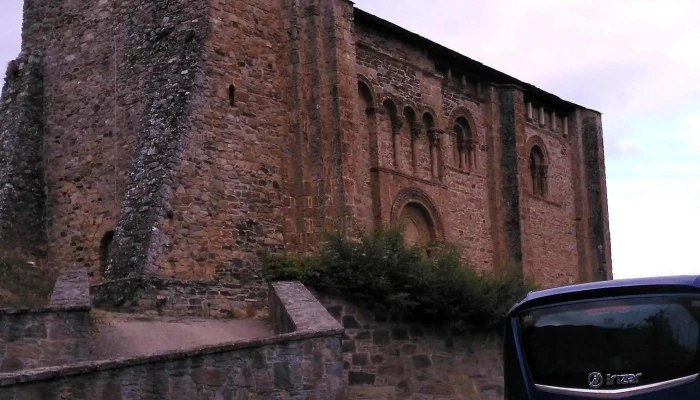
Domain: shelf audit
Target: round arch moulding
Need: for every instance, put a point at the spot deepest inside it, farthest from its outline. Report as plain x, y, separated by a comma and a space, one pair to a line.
417, 197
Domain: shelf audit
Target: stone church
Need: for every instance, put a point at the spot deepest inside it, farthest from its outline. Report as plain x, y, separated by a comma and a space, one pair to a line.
183, 140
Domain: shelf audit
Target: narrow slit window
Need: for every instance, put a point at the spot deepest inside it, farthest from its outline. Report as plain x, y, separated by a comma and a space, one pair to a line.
231, 95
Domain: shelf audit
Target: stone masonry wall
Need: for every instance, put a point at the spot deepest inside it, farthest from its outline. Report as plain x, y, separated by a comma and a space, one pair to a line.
305, 363
263, 168
397, 71
175, 49
598, 218
299, 364
552, 219
227, 202
186, 139
483, 202
22, 196
57, 335
91, 115
319, 163
118, 81
155, 295
393, 361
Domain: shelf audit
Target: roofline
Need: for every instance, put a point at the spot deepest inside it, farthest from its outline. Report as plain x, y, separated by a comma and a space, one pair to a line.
440, 52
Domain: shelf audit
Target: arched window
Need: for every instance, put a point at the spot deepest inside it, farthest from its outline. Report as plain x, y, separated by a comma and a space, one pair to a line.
105, 246
411, 119
428, 122
464, 144
434, 141
365, 96
391, 110
414, 133
538, 171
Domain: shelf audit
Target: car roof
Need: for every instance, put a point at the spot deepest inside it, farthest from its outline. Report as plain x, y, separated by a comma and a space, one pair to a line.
676, 283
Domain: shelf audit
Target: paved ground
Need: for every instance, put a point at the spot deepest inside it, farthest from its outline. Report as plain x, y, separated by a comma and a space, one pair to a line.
122, 335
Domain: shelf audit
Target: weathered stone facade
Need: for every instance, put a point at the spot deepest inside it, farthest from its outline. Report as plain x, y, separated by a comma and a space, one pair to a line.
154, 295
22, 196
56, 335
184, 139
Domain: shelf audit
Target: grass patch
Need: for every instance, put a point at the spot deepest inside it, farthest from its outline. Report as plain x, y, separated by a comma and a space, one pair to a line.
23, 285
379, 271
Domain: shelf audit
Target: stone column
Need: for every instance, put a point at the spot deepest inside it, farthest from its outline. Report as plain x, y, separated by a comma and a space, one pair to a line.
596, 193
396, 136
513, 168
321, 54
471, 153
543, 179
415, 137
434, 143
573, 130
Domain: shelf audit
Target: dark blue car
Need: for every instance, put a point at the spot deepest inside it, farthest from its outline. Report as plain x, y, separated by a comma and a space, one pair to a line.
636, 339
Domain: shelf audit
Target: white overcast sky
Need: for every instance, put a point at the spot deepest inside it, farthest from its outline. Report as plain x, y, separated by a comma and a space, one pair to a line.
637, 62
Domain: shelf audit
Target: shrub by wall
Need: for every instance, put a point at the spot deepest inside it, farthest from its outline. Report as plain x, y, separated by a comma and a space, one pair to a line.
380, 272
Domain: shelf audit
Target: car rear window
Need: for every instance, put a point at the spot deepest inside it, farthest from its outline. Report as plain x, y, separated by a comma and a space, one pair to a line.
629, 342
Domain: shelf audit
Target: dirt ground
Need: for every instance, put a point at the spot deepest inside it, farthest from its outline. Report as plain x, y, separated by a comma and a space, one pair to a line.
125, 335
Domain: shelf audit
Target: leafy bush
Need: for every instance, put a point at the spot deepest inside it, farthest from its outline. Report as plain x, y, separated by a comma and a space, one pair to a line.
378, 270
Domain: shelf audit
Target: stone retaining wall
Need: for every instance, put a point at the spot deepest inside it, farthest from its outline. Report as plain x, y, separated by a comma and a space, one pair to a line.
305, 363
182, 298
394, 361
56, 335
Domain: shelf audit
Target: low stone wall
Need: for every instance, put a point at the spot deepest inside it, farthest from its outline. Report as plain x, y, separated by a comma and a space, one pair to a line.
306, 363
179, 298
56, 335
408, 361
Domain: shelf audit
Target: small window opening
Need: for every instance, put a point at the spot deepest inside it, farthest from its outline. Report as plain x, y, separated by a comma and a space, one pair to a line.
105, 245
231, 95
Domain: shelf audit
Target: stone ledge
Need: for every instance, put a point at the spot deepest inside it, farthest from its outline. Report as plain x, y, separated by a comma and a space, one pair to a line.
544, 200
162, 280
72, 289
459, 171
40, 374
294, 308
408, 176
71, 293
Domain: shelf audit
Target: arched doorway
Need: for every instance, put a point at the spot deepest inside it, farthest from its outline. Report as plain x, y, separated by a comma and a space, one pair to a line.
416, 213
418, 228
